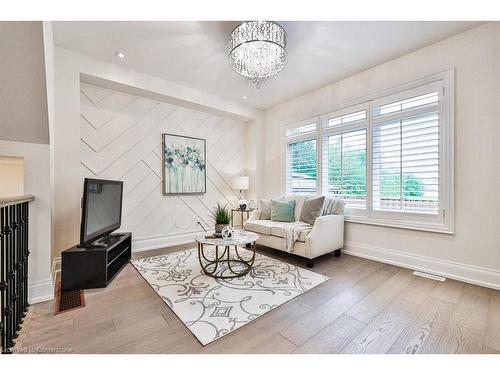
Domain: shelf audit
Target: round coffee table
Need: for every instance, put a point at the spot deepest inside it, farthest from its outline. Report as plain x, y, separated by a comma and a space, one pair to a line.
239, 238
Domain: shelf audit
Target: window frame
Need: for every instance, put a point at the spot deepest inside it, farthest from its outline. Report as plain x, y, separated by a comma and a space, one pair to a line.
443, 222
298, 138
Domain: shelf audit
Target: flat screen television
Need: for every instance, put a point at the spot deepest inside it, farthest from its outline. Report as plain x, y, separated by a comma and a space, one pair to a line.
101, 209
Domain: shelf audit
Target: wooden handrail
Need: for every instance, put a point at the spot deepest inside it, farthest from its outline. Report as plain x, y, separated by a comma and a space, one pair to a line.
4, 202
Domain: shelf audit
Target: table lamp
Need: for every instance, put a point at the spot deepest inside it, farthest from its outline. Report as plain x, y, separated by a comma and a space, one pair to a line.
241, 183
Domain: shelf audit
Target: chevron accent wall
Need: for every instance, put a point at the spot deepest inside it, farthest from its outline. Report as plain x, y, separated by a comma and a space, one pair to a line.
121, 140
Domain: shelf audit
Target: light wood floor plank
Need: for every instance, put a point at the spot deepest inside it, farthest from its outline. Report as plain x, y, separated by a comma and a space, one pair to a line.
334, 337
253, 335
276, 344
450, 290
377, 300
341, 279
424, 331
492, 338
478, 290
466, 329
381, 333
309, 325
419, 289
487, 350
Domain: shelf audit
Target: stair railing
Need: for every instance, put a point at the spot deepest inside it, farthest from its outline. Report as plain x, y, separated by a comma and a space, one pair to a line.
14, 214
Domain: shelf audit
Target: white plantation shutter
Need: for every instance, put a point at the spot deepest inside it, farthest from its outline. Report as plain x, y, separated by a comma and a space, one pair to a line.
344, 156
389, 156
301, 155
405, 151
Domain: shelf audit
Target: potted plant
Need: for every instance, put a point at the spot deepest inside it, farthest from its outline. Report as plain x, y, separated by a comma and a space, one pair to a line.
221, 217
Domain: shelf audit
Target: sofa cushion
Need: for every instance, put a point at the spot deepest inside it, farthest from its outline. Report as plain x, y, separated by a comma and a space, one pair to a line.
277, 231
265, 209
282, 210
259, 226
311, 210
299, 202
254, 215
272, 228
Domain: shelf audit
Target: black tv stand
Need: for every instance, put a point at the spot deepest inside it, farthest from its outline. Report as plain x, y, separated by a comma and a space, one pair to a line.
105, 241
95, 265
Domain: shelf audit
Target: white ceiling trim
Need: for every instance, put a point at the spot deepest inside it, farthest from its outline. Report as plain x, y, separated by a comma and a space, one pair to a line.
116, 77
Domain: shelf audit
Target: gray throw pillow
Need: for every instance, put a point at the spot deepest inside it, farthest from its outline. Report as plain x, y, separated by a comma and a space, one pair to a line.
282, 210
311, 210
265, 209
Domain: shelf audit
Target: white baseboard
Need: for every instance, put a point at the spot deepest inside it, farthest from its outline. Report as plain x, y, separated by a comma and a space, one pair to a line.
482, 276
56, 268
39, 291
146, 244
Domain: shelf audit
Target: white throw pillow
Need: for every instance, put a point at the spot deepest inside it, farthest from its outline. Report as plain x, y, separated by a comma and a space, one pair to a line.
265, 209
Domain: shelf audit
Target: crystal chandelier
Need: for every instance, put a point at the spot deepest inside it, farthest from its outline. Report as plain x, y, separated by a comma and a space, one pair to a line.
257, 50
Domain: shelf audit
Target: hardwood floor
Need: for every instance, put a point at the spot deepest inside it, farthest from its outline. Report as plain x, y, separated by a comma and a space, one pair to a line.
365, 307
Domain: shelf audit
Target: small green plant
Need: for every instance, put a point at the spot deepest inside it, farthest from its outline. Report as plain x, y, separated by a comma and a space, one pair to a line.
221, 214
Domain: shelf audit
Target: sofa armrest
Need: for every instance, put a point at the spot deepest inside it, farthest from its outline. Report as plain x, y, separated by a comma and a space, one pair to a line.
327, 235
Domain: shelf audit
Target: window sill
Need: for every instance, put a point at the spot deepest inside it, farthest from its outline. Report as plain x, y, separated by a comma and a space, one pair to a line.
412, 225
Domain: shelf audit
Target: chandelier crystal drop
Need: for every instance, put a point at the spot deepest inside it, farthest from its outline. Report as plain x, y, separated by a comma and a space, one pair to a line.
257, 50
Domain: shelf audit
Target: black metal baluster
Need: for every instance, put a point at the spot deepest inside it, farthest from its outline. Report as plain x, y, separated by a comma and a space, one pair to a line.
21, 263
10, 284
20, 300
17, 250
3, 279
26, 253
14, 272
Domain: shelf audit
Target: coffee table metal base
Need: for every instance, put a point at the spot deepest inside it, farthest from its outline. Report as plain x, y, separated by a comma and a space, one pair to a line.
225, 258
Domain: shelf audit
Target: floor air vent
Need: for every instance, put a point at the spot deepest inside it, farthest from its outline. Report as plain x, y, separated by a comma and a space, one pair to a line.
69, 300
429, 276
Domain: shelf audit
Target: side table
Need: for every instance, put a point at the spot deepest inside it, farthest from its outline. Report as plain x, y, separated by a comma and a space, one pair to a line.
233, 210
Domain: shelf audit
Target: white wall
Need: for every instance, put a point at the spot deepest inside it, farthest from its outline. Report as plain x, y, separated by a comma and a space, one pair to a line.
473, 252
255, 157
37, 183
70, 69
12, 176
121, 136
23, 104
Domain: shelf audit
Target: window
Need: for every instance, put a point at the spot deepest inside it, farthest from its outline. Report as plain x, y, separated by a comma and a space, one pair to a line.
389, 156
344, 156
301, 175
406, 155
303, 129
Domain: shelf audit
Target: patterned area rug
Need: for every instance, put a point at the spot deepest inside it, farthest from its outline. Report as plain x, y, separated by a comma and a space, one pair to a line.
212, 308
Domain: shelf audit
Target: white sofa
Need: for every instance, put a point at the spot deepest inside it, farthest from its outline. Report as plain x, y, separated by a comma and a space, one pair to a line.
325, 236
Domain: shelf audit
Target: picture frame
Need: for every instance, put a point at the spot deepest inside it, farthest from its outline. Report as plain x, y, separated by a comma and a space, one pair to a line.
184, 169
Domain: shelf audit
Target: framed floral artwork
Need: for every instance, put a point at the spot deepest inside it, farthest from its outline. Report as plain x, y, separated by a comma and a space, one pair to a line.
184, 165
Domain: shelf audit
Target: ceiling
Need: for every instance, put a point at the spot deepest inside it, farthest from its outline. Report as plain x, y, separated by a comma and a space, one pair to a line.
194, 54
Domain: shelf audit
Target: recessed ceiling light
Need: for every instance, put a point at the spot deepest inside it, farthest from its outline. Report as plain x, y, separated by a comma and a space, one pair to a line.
119, 54
244, 97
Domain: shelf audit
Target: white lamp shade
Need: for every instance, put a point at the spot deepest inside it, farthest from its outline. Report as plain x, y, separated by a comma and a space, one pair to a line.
241, 183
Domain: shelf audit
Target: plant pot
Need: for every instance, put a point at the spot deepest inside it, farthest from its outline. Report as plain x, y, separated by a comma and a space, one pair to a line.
219, 227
